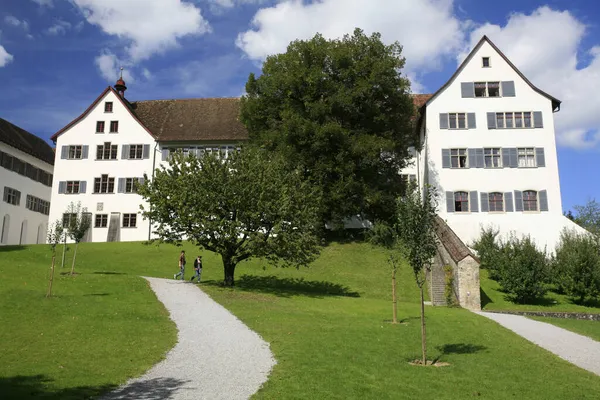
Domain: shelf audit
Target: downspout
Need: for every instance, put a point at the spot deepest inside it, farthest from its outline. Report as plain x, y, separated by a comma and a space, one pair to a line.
153, 167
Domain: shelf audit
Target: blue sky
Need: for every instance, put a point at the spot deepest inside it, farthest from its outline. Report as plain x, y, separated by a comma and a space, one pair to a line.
56, 56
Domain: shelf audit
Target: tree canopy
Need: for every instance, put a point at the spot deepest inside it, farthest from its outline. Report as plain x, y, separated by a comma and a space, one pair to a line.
241, 207
341, 112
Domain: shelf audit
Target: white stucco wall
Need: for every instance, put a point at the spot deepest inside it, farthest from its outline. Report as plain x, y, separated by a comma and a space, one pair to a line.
84, 133
35, 222
544, 227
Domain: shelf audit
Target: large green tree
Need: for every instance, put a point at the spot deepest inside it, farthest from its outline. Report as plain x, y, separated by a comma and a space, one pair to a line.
341, 112
244, 206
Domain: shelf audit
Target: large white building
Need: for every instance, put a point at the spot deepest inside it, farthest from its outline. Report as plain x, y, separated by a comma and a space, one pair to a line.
114, 142
488, 148
26, 167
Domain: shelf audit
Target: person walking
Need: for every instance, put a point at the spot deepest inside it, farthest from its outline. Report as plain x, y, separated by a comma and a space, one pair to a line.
181, 266
197, 269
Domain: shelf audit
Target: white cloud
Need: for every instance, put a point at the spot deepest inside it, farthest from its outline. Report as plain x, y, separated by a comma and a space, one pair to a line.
149, 28
5, 57
60, 27
14, 21
109, 66
46, 3
427, 29
220, 4
549, 56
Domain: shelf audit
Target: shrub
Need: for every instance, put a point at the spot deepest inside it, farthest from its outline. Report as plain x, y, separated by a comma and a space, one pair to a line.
488, 249
449, 287
523, 270
576, 266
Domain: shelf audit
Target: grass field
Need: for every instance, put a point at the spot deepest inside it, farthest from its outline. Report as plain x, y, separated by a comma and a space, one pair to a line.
492, 298
326, 326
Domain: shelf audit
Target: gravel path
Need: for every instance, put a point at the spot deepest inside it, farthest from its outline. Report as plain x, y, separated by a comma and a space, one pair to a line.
577, 349
216, 356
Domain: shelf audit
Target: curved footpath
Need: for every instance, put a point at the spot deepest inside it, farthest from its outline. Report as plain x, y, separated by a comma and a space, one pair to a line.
216, 356
577, 349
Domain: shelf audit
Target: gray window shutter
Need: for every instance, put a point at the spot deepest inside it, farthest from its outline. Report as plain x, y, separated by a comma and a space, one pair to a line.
467, 89
85, 149
505, 157
473, 202
165, 154
514, 159
480, 161
141, 180
62, 185
445, 158
443, 121
508, 89
485, 202
5, 197
491, 120
543, 197
540, 157
450, 202
82, 186
472, 158
121, 185
472, 124
125, 152
538, 121
64, 152
508, 202
518, 200
146, 151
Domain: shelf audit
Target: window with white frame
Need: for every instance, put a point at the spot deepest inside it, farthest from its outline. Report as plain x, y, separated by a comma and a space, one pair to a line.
487, 89
492, 157
496, 202
72, 187
129, 220
101, 221
106, 151
68, 218
461, 201
108, 107
513, 120
104, 184
458, 158
130, 185
530, 200
75, 152
136, 151
485, 62
37, 205
12, 196
457, 121
526, 157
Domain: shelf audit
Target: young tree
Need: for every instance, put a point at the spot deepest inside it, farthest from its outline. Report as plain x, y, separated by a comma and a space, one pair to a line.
55, 236
588, 216
79, 223
385, 236
241, 207
341, 112
415, 227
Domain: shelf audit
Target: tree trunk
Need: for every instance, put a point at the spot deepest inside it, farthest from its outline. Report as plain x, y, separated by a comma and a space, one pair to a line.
63, 256
229, 269
74, 255
49, 293
423, 336
394, 302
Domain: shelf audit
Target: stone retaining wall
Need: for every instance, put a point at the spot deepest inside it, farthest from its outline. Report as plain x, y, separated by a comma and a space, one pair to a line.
553, 314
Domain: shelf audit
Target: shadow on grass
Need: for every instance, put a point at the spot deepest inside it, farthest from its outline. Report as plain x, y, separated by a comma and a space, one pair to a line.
286, 287
108, 273
484, 298
460, 348
543, 301
11, 248
97, 294
39, 387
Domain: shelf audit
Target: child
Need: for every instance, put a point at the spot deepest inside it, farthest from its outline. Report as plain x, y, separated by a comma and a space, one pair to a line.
181, 266
197, 269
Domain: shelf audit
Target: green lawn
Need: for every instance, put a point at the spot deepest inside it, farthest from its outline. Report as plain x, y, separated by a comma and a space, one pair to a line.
583, 327
492, 298
325, 325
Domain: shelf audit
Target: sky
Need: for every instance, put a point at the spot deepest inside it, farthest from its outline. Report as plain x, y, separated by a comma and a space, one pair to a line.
57, 56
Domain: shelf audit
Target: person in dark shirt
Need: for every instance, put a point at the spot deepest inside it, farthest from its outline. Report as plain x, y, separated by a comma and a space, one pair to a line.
181, 266
197, 269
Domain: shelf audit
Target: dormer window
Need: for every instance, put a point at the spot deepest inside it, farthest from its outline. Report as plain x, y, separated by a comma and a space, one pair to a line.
485, 62
108, 107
